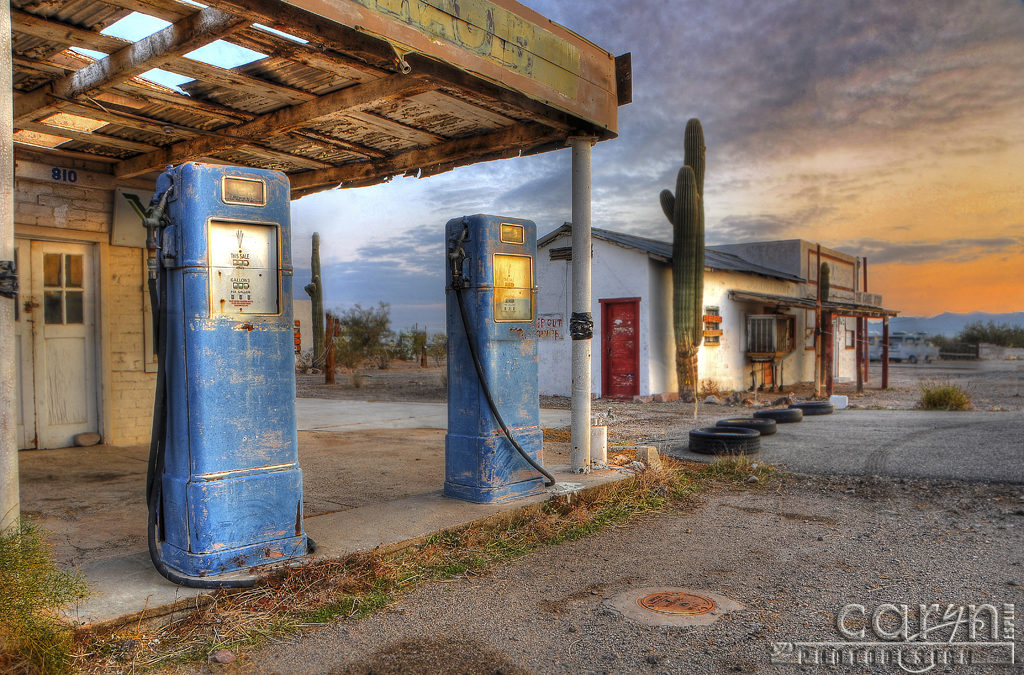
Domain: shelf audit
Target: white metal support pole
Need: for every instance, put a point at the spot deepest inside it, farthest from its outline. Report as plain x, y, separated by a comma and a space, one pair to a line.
9, 504
581, 323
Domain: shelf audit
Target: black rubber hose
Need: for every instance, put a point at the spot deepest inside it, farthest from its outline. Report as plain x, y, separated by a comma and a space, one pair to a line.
155, 471
457, 286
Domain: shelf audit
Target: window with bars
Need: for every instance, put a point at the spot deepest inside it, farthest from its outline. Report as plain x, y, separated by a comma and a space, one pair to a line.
769, 334
712, 326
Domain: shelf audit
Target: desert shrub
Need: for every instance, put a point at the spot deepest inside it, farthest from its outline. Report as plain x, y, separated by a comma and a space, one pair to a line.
365, 334
943, 396
437, 348
710, 388
32, 592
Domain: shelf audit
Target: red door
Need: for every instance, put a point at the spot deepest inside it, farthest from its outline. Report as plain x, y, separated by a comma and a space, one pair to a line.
620, 338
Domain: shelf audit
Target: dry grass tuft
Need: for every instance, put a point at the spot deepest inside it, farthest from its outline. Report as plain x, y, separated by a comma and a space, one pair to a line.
943, 396
32, 592
561, 435
359, 585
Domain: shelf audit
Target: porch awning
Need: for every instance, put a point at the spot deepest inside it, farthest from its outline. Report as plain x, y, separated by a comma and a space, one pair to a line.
343, 93
836, 307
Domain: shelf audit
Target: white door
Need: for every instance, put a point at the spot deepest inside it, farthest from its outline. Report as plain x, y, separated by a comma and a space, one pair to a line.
62, 299
24, 311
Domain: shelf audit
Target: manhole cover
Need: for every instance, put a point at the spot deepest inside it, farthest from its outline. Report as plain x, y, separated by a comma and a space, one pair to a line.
676, 602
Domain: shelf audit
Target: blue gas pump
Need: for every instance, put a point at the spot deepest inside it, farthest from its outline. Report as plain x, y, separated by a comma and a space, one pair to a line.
494, 444
224, 486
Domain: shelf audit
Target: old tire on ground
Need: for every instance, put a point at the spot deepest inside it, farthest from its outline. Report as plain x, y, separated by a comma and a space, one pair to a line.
722, 441
815, 407
781, 415
766, 427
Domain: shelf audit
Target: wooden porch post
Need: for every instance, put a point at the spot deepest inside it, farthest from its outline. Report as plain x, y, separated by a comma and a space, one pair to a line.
885, 352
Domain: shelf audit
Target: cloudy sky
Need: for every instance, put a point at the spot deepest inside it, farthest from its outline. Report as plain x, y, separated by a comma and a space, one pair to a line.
892, 130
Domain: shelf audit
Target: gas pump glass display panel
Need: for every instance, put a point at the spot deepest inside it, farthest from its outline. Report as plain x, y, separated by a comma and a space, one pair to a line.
513, 287
244, 277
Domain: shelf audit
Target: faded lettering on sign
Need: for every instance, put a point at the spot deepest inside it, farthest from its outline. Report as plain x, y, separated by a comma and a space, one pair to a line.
493, 33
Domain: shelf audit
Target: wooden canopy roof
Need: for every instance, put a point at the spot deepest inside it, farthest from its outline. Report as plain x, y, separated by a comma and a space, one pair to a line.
349, 93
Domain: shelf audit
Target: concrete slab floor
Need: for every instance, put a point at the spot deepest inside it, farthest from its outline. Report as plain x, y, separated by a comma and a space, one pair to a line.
125, 585
363, 488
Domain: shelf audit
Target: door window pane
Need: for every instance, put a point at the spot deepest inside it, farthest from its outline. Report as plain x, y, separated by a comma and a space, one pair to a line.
53, 310
73, 271
51, 269
73, 306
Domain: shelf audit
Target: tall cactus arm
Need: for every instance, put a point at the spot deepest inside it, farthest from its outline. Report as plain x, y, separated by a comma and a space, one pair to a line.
693, 146
668, 205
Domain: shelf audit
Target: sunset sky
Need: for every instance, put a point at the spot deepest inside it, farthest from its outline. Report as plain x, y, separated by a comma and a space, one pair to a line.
888, 129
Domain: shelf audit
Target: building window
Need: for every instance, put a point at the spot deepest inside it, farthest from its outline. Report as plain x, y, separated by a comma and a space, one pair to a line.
712, 326
851, 339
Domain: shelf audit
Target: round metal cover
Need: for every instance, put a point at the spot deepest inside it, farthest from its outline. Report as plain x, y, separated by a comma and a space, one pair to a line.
676, 602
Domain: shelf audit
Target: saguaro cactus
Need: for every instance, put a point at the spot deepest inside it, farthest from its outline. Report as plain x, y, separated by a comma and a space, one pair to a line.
685, 210
315, 291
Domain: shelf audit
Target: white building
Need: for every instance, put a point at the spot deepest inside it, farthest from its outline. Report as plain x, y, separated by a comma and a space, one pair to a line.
753, 293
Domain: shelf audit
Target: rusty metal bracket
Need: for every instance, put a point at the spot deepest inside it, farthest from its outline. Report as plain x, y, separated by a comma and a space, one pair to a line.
8, 279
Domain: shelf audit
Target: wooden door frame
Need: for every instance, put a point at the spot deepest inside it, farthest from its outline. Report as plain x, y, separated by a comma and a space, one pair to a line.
93, 255
25, 389
604, 302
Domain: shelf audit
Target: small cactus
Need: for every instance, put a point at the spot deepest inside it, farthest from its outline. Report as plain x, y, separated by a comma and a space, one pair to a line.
315, 291
685, 210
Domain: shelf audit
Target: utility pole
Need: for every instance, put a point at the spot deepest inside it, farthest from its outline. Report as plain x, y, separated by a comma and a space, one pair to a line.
581, 325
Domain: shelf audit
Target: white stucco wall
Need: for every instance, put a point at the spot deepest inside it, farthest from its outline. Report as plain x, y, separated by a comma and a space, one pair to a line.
618, 272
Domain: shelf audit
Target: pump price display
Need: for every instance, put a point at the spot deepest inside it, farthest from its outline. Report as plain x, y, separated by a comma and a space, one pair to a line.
513, 287
243, 269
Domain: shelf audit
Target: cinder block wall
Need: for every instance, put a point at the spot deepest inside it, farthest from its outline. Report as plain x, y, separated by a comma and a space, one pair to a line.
82, 213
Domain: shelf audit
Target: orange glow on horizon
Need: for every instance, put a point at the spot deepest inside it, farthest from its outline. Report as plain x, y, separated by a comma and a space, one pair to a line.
990, 284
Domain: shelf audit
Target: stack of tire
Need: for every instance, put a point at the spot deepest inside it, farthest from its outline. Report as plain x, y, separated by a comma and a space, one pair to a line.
742, 435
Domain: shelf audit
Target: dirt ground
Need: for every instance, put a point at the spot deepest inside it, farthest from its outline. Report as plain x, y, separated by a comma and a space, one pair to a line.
92, 499
992, 385
792, 554
402, 381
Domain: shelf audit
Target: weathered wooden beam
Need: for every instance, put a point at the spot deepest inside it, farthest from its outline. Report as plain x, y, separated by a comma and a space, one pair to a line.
233, 79
62, 33
187, 34
87, 137
396, 129
333, 143
184, 103
129, 120
280, 121
317, 29
282, 156
508, 142
168, 10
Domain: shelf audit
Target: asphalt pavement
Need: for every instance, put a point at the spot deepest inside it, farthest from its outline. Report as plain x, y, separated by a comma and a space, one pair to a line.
974, 446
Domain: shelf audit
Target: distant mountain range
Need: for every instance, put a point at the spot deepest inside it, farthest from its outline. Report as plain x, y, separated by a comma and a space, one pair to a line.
947, 323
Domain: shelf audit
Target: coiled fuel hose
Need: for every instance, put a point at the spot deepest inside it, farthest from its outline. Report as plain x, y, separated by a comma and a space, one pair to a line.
455, 256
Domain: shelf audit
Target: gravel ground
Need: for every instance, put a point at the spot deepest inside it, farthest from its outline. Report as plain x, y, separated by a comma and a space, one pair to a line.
792, 554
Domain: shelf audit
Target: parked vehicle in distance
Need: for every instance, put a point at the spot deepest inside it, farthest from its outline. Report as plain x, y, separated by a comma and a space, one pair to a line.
909, 347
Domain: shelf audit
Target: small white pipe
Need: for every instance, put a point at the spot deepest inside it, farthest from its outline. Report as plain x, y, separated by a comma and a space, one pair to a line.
580, 413
599, 445
9, 501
